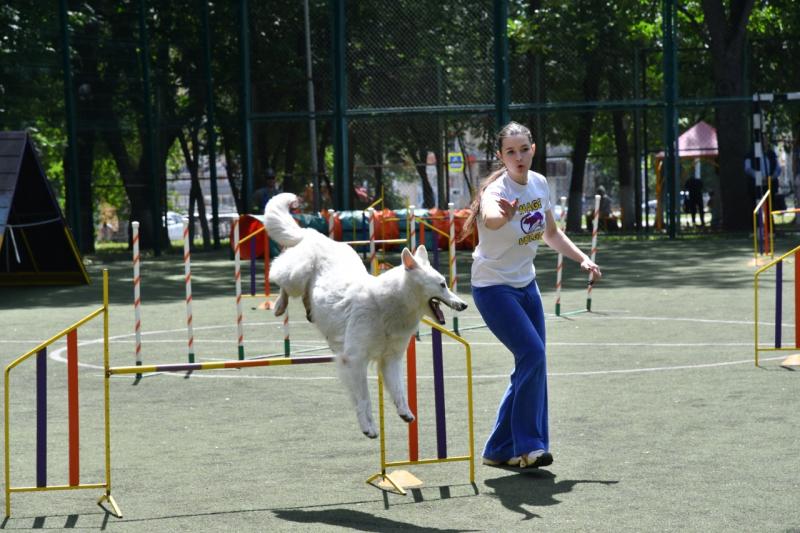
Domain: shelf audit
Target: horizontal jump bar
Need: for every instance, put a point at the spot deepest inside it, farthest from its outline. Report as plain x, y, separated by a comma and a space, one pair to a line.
59, 487
378, 241
217, 365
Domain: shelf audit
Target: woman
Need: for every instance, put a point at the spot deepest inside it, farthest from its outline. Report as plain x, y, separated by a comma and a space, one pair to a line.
513, 213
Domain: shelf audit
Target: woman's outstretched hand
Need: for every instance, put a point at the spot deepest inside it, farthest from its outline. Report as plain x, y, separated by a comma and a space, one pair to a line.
508, 209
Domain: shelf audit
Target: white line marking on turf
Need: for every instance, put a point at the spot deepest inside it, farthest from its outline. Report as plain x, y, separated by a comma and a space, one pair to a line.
57, 355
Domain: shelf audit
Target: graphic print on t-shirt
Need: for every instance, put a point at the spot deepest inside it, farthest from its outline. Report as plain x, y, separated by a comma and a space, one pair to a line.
532, 221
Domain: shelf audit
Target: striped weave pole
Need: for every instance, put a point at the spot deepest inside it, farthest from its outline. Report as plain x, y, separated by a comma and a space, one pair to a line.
595, 223
137, 300
452, 252
187, 277
373, 264
266, 265
287, 347
237, 276
331, 224
252, 267
412, 228
560, 263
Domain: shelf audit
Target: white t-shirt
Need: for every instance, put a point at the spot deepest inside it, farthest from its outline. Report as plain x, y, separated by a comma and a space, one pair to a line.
505, 256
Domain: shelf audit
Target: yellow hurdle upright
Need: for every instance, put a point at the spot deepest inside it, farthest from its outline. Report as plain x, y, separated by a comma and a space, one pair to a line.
40, 351
394, 479
777, 265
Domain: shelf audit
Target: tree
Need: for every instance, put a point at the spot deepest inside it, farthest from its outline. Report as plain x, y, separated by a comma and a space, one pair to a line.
727, 32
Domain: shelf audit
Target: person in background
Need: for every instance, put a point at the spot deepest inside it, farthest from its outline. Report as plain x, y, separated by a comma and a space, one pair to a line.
262, 195
513, 213
694, 199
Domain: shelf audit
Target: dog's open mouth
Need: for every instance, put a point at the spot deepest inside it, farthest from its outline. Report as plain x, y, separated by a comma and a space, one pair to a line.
433, 303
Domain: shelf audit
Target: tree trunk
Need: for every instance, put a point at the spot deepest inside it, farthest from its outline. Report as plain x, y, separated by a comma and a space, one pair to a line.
624, 170
420, 158
726, 39
583, 140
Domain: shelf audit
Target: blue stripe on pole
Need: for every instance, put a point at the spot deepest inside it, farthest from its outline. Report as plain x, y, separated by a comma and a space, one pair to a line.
438, 390
41, 418
778, 302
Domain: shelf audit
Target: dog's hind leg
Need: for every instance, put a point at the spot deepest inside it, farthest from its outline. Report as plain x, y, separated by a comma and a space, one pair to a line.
281, 303
353, 373
307, 305
392, 372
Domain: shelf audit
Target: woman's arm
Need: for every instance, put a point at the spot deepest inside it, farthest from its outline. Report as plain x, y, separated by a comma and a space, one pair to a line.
558, 241
497, 214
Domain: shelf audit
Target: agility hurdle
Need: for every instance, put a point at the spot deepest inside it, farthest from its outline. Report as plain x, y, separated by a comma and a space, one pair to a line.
763, 227
593, 256
250, 237
397, 479
777, 264
74, 482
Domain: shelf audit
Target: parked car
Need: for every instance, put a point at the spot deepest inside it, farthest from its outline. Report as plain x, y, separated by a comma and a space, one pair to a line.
174, 223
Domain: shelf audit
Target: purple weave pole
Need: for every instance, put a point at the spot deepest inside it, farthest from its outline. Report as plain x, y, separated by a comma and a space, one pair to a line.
438, 389
778, 302
41, 418
253, 267
760, 231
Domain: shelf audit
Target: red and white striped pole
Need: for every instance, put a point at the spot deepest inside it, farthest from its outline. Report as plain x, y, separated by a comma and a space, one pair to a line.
560, 261
237, 276
287, 347
331, 224
137, 299
595, 223
412, 228
451, 208
187, 274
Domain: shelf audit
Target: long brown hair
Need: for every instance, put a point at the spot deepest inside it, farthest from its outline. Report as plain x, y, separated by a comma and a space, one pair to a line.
509, 130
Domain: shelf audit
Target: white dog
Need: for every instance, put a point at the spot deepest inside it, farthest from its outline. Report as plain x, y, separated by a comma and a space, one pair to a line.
364, 318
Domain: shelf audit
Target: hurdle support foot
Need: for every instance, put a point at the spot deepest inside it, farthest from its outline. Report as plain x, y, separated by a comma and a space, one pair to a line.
107, 497
266, 305
395, 482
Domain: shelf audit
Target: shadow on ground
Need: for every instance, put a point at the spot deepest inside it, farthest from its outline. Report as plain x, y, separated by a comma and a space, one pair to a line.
532, 489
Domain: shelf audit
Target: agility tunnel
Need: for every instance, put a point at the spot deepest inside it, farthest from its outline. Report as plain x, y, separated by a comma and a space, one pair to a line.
387, 480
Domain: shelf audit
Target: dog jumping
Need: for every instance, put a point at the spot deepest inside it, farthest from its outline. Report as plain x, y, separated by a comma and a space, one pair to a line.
363, 318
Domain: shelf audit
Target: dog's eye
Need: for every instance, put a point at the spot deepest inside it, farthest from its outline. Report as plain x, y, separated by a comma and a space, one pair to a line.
442, 285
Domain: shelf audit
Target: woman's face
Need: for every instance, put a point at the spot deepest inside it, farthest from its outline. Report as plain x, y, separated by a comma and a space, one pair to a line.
517, 155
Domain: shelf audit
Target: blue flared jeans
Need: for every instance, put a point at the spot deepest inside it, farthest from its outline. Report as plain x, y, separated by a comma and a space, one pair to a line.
516, 318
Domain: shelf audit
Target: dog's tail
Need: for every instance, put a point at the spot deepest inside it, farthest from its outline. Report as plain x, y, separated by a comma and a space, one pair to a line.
279, 222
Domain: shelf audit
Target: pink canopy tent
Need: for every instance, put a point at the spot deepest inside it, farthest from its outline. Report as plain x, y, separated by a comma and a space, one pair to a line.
698, 141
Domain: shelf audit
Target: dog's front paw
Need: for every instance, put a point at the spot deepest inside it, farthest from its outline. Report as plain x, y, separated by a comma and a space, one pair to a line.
371, 433
407, 416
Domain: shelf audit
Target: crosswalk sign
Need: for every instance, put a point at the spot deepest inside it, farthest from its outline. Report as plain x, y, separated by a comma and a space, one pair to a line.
455, 161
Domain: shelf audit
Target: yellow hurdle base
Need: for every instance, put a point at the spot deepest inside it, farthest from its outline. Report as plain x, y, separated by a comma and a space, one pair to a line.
396, 481
791, 361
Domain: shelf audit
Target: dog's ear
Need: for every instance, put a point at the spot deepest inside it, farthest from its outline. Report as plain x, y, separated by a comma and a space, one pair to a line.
421, 255
408, 260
